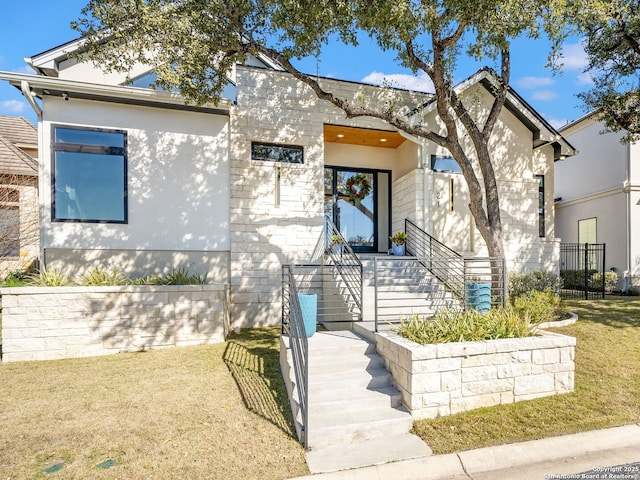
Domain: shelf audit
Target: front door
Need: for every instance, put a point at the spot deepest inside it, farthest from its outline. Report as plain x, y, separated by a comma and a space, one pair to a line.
352, 201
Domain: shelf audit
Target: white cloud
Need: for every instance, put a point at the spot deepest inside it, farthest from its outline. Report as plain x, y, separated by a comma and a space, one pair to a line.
584, 79
25, 69
574, 56
544, 95
12, 106
534, 82
557, 122
420, 83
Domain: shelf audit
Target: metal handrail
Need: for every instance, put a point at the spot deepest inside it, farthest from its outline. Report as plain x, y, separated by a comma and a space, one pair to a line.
444, 263
405, 285
293, 327
345, 263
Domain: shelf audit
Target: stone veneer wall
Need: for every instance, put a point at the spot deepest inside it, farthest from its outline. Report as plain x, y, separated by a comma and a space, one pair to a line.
45, 323
444, 379
407, 200
271, 226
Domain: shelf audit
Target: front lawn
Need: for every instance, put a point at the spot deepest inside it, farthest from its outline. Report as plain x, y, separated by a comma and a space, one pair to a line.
607, 387
212, 411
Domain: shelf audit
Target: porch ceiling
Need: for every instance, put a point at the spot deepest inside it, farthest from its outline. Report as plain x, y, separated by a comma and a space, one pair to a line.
362, 136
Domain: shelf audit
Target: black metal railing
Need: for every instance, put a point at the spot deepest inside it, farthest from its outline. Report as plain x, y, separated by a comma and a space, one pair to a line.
406, 286
345, 265
444, 263
582, 270
293, 327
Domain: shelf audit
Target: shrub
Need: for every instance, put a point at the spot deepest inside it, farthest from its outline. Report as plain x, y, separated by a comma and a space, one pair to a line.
49, 278
610, 281
177, 276
17, 278
102, 277
455, 326
538, 306
535, 281
182, 276
634, 291
574, 279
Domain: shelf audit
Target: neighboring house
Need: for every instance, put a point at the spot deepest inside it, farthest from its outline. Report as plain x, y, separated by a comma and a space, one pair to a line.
597, 196
19, 228
135, 178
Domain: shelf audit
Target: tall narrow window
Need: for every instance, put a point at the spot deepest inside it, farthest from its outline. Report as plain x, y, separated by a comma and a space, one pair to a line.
89, 181
541, 209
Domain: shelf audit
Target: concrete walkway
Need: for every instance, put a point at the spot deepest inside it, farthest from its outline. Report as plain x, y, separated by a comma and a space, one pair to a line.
546, 459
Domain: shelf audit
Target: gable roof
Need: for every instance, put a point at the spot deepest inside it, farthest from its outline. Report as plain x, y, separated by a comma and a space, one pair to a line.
48, 63
14, 161
543, 132
19, 131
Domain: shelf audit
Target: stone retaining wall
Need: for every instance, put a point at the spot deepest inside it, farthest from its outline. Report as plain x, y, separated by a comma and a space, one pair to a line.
438, 380
45, 323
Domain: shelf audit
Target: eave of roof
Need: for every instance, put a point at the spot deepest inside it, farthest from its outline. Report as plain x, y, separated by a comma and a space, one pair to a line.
41, 86
543, 132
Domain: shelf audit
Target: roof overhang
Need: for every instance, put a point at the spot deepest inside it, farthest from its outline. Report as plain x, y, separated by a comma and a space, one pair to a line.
543, 132
41, 86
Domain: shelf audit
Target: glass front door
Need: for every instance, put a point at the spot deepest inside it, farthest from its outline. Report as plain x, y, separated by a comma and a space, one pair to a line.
350, 200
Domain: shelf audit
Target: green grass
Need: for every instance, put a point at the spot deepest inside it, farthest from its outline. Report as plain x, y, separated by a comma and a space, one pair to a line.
211, 411
607, 387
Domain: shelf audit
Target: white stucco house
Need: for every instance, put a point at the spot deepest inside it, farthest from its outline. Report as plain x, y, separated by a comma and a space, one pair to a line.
597, 195
135, 178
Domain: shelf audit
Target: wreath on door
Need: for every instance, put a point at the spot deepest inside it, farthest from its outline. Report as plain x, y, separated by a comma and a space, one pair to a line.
358, 187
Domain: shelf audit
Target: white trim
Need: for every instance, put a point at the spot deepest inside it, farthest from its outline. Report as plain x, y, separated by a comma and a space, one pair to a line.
592, 196
105, 91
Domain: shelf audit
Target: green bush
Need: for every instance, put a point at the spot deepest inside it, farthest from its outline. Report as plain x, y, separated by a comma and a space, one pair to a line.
535, 281
610, 281
574, 279
17, 278
103, 277
538, 306
455, 326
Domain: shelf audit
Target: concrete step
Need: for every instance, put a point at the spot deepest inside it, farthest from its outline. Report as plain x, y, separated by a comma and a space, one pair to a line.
377, 451
362, 399
338, 343
369, 378
357, 426
329, 363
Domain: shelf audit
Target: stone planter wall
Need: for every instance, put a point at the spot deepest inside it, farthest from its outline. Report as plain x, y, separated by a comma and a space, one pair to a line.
438, 380
44, 323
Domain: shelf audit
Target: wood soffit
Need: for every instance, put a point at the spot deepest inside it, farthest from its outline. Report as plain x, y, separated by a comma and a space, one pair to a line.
362, 136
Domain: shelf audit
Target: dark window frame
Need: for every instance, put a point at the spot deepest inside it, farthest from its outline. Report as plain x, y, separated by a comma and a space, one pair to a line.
542, 209
92, 149
283, 147
435, 158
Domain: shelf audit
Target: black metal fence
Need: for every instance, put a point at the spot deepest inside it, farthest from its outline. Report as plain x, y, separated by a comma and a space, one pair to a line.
582, 270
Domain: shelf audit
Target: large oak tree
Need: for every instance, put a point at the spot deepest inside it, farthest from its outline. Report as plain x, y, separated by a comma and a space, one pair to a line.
612, 43
192, 44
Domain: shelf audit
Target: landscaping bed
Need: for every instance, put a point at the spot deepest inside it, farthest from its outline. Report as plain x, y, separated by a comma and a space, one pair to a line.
45, 323
607, 387
447, 378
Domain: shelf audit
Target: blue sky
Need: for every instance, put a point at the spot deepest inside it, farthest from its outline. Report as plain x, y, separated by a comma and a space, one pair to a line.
38, 25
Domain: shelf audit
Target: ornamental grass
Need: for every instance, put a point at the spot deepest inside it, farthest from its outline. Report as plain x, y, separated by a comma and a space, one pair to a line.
454, 326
